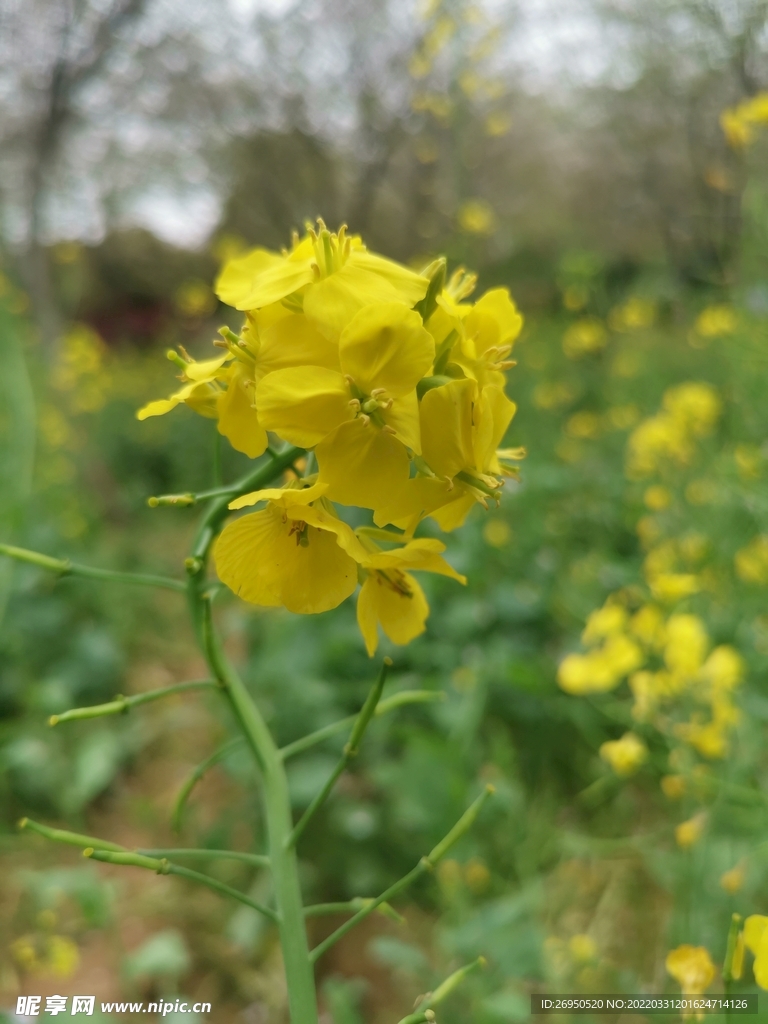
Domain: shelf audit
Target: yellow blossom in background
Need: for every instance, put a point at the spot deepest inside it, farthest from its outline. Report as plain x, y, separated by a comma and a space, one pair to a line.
634, 314
195, 298
582, 948
689, 832
603, 622
584, 337
751, 561
497, 533
477, 217
714, 321
733, 879
601, 669
228, 247
497, 124
552, 395
673, 786
584, 425
657, 498
692, 969
686, 645
625, 755
689, 412
477, 876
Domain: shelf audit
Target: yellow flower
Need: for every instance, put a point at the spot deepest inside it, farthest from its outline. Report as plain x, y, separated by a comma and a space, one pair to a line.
489, 329
686, 643
582, 948
329, 276
634, 314
461, 428
288, 553
756, 941
224, 388
657, 498
362, 417
605, 621
724, 668
752, 561
716, 320
689, 832
477, 217
673, 786
600, 670
390, 596
624, 755
733, 879
692, 968
583, 337
647, 624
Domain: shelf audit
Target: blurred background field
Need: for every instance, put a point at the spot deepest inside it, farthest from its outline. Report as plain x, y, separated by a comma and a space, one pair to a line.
573, 153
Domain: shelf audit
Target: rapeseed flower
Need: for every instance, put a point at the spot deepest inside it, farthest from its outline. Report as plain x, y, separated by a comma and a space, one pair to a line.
692, 968
395, 381
624, 755
329, 276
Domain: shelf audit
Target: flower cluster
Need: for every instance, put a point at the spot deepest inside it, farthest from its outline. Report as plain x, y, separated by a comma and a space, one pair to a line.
394, 382
668, 662
689, 412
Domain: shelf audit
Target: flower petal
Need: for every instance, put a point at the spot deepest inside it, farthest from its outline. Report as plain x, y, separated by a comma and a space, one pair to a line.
401, 617
493, 414
303, 403
446, 427
259, 557
364, 279
238, 420
285, 497
422, 555
362, 465
260, 278
295, 341
386, 346
163, 405
403, 418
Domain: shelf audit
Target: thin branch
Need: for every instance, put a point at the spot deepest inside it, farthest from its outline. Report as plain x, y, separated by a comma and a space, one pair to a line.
350, 752
397, 700
59, 835
351, 906
165, 867
194, 777
64, 567
460, 829
121, 705
257, 860
112, 853
451, 983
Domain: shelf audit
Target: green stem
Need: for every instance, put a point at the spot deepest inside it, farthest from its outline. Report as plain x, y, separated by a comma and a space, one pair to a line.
123, 704
449, 985
64, 567
460, 829
194, 777
257, 860
351, 907
293, 936
290, 912
164, 867
59, 835
397, 700
350, 752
